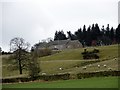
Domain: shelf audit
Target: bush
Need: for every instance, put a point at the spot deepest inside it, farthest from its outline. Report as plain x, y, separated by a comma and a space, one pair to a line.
90, 55
54, 77
41, 77
44, 52
95, 51
98, 74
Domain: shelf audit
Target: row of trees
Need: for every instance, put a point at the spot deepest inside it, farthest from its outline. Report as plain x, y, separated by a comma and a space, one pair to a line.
92, 35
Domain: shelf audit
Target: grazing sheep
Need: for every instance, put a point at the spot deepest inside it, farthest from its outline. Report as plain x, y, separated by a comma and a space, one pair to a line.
98, 66
60, 69
85, 68
105, 65
76, 66
43, 73
97, 59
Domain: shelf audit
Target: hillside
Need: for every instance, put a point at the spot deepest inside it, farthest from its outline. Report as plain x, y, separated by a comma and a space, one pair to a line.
106, 52
70, 61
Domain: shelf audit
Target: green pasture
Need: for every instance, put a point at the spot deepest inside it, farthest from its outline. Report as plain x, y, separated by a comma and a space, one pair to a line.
106, 52
69, 60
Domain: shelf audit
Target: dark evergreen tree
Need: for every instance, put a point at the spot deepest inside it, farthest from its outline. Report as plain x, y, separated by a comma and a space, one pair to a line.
118, 34
88, 36
60, 35
107, 31
102, 31
79, 34
97, 30
93, 36
84, 36
71, 36
84, 32
112, 35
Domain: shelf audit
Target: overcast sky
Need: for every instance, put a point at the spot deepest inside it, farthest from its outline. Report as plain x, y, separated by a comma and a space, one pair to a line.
35, 20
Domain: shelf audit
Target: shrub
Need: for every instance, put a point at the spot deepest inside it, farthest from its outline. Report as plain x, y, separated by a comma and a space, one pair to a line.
65, 76
98, 74
95, 51
90, 55
44, 52
55, 77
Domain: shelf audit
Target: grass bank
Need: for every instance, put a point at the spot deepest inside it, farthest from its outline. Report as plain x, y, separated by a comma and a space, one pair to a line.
95, 82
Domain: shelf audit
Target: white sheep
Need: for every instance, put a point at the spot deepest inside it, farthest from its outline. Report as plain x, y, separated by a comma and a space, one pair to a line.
60, 68
98, 66
105, 65
76, 66
43, 73
84, 67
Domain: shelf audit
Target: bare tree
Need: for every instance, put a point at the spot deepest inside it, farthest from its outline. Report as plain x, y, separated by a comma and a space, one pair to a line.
19, 47
33, 65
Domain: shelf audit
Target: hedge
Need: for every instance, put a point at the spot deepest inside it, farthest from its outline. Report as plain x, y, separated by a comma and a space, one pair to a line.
41, 77
61, 76
98, 74
90, 54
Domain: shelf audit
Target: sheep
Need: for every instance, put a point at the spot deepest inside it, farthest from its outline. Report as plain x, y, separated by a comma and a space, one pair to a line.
60, 68
43, 73
76, 67
98, 66
85, 68
105, 65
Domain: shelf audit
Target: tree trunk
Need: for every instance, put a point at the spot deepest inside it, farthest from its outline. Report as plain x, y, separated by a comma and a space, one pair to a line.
19, 60
20, 67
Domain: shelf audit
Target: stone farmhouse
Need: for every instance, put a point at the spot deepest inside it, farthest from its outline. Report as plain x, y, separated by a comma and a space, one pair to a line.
61, 44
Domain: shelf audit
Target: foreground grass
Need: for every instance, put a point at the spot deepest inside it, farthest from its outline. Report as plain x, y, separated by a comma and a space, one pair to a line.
95, 82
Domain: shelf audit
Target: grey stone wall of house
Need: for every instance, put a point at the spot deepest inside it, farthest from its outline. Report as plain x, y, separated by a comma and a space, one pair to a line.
57, 47
65, 44
61, 45
74, 44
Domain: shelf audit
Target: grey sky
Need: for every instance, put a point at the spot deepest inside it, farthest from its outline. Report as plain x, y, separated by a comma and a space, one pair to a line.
35, 20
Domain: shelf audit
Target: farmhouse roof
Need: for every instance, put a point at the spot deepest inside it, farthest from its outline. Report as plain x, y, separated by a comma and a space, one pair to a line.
59, 42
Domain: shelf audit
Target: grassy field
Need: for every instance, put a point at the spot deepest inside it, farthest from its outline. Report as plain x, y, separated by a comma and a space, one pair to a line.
68, 60
99, 82
75, 54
